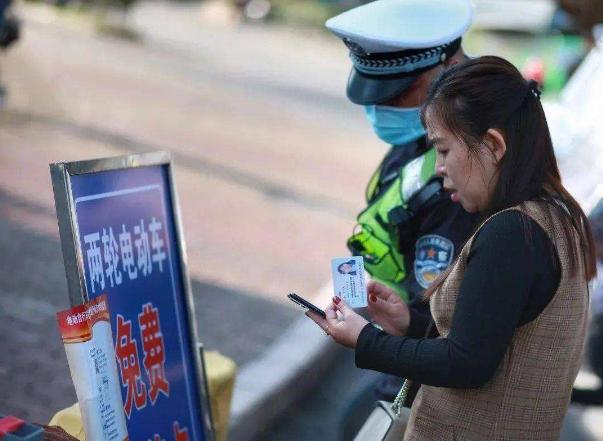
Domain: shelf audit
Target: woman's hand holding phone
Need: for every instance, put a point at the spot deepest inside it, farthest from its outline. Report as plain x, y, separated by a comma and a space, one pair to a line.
344, 327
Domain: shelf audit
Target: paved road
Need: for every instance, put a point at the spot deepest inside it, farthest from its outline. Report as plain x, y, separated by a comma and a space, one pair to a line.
265, 174
268, 181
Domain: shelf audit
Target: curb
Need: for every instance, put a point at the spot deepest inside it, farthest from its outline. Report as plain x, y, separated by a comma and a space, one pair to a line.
269, 385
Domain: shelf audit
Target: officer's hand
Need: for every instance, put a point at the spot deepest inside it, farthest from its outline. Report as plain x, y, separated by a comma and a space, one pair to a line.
341, 323
387, 309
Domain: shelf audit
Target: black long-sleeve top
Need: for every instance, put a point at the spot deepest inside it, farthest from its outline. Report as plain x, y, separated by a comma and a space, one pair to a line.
512, 273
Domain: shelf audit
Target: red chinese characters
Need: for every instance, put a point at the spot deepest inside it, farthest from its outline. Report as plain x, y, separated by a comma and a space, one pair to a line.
127, 356
180, 434
126, 351
154, 351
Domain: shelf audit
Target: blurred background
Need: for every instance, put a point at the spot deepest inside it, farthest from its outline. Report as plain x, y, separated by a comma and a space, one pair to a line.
270, 159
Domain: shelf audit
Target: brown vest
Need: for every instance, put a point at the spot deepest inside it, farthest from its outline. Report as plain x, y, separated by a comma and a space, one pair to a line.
527, 397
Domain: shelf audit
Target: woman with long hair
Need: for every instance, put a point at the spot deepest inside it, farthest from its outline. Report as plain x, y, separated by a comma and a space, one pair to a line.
511, 311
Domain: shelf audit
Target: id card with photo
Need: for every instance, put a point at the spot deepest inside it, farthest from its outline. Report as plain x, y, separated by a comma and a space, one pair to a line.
348, 280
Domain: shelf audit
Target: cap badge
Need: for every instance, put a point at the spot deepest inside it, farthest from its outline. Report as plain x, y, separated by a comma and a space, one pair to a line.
355, 47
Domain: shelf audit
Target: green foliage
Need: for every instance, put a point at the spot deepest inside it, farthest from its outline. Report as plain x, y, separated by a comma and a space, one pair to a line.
304, 12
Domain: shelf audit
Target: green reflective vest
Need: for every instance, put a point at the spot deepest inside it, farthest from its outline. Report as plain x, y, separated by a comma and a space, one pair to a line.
378, 233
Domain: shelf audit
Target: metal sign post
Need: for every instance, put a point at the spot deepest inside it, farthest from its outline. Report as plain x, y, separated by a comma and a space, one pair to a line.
121, 235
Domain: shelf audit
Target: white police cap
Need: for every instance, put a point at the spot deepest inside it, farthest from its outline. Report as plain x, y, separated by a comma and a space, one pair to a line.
392, 42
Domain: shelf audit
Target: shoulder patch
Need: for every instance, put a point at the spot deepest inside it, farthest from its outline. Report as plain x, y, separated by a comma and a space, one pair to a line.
433, 254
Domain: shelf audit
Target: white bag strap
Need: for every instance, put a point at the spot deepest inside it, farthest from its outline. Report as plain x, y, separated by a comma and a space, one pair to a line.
401, 397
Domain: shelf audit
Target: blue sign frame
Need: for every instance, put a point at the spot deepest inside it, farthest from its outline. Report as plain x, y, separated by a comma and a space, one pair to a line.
121, 235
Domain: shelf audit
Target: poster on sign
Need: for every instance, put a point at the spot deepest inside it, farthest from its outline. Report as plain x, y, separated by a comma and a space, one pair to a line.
86, 333
121, 237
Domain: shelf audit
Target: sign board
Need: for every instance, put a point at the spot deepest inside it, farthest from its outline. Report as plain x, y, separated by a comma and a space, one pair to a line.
121, 236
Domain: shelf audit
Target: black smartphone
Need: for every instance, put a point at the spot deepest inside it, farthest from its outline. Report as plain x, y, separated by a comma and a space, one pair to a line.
305, 304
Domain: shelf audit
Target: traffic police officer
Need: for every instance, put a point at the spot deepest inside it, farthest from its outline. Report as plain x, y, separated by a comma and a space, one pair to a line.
411, 230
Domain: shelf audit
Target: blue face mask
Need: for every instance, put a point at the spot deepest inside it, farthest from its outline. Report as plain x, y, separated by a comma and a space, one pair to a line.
395, 125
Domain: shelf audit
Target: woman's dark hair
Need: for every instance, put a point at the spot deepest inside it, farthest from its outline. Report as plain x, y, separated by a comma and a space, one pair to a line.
489, 92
